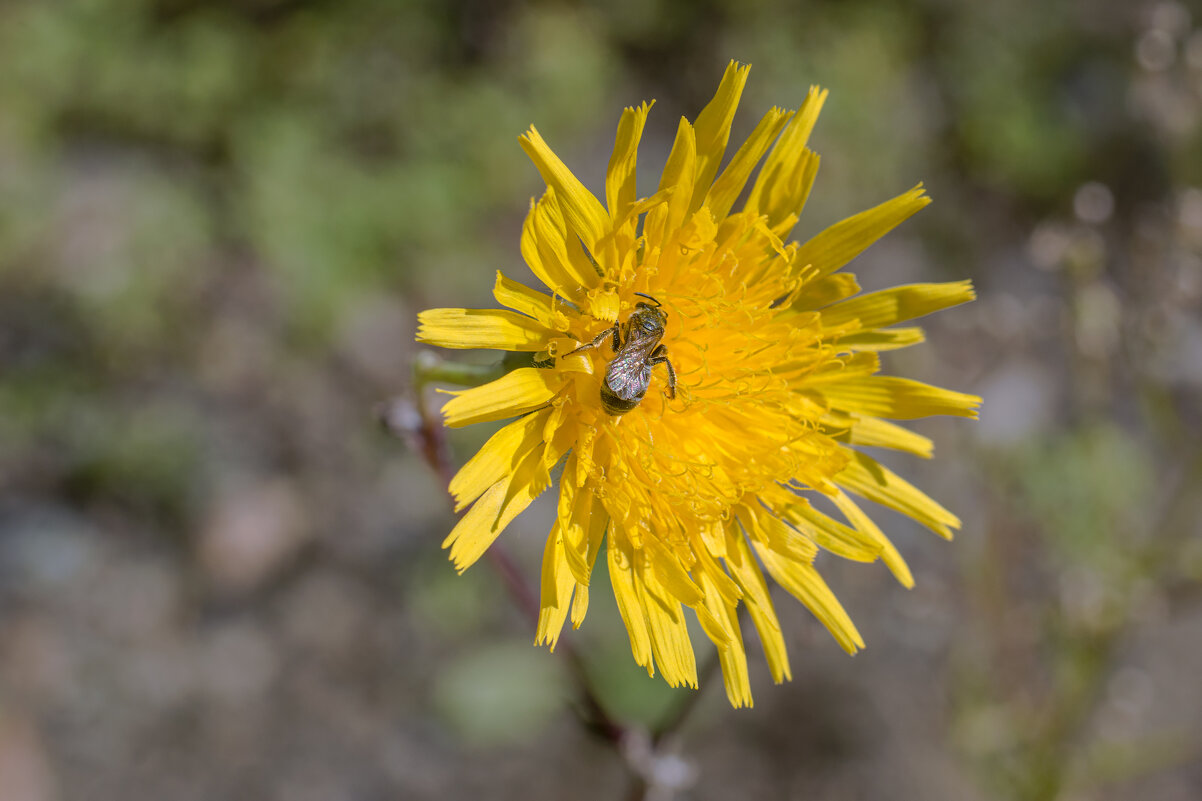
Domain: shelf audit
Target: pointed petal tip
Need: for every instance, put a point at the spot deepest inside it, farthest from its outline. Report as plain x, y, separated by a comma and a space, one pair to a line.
900, 570
973, 403
741, 702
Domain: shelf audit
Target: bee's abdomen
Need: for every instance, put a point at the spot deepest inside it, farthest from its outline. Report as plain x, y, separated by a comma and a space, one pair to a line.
614, 404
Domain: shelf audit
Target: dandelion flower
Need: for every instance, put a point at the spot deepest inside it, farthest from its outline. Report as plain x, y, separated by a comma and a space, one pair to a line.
769, 389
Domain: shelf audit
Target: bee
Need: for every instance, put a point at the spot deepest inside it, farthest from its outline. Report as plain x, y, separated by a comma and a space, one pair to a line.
637, 348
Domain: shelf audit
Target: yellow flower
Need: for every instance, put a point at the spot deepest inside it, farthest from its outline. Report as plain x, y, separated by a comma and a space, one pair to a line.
695, 496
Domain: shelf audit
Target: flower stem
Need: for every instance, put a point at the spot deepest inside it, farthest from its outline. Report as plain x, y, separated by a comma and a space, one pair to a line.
428, 368
426, 435
412, 420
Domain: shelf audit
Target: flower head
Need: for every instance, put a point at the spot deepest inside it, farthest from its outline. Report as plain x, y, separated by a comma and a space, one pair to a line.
746, 372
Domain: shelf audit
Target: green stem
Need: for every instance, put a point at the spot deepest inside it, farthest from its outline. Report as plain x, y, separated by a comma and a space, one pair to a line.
431, 442
428, 368
433, 445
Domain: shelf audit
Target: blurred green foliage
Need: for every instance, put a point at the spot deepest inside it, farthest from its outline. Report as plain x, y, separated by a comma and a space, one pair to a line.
1089, 489
500, 693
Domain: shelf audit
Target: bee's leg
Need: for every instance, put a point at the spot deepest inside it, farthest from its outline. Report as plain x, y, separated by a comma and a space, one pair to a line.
660, 356
598, 340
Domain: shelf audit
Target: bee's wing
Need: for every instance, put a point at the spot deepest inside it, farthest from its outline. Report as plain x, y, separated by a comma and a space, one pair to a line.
628, 376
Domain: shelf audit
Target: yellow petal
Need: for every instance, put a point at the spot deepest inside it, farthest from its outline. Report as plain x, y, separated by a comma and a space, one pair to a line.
717, 578
669, 635
873, 431
843, 241
713, 540
481, 328
804, 583
897, 398
825, 291
598, 523
733, 657
863, 523
585, 216
571, 498
783, 185
826, 533
841, 371
766, 529
485, 521
551, 250
556, 591
620, 178
746, 572
679, 177
865, 476
531, 477
712, 128
575, 512
889, 306
670, 573
544, 250
579, 605
714, 626
499, 457
514, 393
730, 183
630, 607
539, 305
887, 339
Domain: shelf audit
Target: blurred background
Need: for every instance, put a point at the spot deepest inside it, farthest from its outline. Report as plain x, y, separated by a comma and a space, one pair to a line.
219, 578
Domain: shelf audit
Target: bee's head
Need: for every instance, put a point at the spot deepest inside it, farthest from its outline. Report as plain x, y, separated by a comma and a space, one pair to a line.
649, 318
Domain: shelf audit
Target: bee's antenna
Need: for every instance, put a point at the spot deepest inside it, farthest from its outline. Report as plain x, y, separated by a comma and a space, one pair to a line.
648, 297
